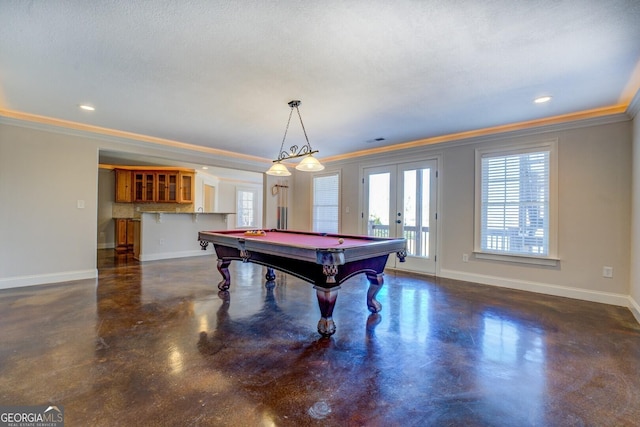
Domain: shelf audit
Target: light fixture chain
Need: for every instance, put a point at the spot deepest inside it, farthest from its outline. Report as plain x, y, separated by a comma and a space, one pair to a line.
285, 133
303, 129
308, 164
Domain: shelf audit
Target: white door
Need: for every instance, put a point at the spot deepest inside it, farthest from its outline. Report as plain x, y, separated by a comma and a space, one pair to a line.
401, 201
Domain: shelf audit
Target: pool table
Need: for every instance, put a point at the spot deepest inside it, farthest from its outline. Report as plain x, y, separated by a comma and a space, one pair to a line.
325, 260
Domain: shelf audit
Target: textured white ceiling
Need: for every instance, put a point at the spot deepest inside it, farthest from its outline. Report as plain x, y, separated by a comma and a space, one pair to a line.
220, 73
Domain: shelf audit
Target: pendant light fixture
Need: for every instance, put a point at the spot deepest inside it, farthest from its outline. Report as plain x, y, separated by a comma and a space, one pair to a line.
308, 163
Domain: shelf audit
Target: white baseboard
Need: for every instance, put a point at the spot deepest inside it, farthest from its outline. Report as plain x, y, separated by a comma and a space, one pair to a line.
169, 255
41, 279
541, 288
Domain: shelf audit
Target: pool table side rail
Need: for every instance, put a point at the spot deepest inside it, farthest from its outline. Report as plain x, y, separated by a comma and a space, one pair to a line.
376, 246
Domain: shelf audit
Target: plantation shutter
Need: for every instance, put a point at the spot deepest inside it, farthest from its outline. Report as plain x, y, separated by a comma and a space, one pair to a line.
515, 203
325, 204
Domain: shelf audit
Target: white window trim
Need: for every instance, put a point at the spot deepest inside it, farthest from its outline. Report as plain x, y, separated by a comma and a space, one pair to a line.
551, 259
256, 207
319, 175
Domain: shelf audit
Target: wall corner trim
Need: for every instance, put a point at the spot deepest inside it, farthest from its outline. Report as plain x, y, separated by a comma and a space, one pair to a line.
635, 308
634, 106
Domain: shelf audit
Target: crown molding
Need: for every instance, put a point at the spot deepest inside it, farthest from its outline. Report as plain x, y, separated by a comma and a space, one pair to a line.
594, 117
145, 168
587, 118
49, 124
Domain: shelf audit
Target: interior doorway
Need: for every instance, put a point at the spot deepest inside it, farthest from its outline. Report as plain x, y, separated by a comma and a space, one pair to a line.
208, 198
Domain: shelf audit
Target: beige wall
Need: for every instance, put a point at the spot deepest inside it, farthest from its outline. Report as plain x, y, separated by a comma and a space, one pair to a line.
594, 168
44, 236
635, 236
594, 211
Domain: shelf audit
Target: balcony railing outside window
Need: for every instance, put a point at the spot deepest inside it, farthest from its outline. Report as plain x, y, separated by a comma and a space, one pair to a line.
417, 241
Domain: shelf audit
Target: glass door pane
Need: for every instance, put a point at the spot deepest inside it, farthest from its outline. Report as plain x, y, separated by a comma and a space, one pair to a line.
427, 200
149, 181
417, 197
173, 187
411, 212
379, 196
162, 187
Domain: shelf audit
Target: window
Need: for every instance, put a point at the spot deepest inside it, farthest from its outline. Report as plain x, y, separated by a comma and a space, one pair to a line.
325, 203
515, 200
246, 208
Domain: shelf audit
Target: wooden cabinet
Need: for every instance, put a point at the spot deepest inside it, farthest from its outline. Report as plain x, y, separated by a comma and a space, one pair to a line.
125, 234
130, 234
155, 185
136, 239
121, 235
187, 182
167, 187
124, 190
144, 186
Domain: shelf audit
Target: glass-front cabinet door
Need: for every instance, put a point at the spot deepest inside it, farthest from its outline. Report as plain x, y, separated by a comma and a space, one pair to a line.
162, 187
167, 184
144, 186
186, 187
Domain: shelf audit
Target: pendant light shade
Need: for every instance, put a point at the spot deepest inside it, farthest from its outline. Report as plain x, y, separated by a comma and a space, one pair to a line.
308, 164
278, 169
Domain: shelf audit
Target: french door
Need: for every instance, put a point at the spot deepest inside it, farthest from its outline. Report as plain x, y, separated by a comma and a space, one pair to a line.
401, 201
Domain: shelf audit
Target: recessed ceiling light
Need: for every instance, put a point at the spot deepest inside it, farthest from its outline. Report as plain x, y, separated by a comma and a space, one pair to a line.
542, 99
205, 167
87, 107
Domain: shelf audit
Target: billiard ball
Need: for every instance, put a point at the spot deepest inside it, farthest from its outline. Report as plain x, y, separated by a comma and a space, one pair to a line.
340, 241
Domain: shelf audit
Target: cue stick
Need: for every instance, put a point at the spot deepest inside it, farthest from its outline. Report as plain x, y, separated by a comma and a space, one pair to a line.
279, 203
285, 203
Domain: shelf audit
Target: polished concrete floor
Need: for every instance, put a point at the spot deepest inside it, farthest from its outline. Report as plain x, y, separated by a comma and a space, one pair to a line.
156, 344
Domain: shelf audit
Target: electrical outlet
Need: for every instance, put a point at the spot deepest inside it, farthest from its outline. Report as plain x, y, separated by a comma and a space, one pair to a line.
607, 272
465, 257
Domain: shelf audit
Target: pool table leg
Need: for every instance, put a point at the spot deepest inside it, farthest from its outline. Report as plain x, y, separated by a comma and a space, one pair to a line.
271, 275
375, 284
223, 268
326, 302
271, 279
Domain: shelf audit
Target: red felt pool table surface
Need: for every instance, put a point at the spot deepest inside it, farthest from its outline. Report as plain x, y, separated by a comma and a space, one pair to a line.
302, 239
